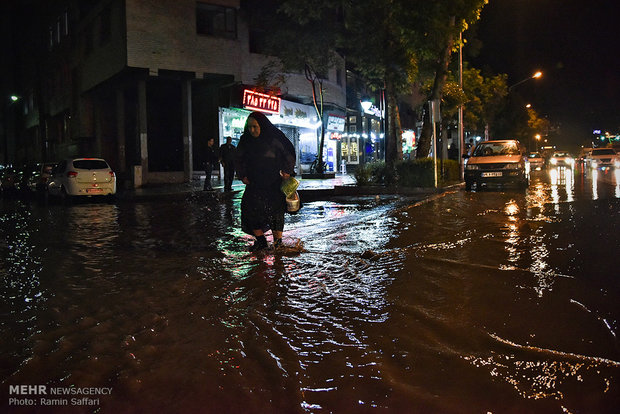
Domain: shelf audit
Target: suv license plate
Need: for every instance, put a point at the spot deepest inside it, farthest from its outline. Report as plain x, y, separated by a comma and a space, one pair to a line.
94, 190
492, 174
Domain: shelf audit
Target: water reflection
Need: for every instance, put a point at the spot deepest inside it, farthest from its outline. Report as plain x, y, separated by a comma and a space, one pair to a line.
504, 291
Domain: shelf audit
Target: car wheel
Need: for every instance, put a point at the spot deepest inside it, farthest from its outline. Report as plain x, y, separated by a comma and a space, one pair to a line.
66, 198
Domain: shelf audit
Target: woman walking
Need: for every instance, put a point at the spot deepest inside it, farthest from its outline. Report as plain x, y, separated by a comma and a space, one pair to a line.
264, 158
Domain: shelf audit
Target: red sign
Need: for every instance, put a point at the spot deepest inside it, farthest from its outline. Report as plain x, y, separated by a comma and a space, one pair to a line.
261, 102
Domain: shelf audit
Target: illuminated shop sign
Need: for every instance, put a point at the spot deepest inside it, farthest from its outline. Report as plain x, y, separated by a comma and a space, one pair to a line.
336, 136
261, 102
335, 123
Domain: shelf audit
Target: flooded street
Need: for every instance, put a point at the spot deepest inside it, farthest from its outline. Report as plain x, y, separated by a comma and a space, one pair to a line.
468, 302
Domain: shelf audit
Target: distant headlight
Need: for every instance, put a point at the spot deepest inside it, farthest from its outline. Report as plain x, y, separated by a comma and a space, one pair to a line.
472, 167
553, 161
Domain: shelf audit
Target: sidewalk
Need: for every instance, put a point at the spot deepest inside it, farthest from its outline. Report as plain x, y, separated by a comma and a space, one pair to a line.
309, 188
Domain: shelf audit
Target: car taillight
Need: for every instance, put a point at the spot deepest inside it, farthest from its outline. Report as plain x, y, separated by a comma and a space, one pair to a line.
72, 174
111, 174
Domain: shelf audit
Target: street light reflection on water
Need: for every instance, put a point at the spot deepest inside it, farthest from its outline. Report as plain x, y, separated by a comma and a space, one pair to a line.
468, 301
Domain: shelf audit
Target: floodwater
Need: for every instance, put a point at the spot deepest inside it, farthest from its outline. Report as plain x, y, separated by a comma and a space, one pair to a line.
481, 302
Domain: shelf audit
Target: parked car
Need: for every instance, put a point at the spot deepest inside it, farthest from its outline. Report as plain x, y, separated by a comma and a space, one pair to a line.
497, 163
603, 158
536, 160
561, 159
9, 177
82, 177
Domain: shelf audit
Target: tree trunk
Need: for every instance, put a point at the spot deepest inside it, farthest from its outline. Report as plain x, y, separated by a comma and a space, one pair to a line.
319, 163
424, 145
393, 138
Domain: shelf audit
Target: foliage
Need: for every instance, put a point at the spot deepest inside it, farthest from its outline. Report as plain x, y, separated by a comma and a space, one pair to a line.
392, 44
409, 173
482, 98
416, 173
537, 124
375, 173
446, 19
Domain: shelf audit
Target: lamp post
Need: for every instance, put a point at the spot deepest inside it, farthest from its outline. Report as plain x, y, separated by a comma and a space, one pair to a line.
537, 136
536, 75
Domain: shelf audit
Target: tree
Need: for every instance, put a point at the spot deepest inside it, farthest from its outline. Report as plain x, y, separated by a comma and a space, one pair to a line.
391, 44
485, 97
440, 26
301, 37
396, 43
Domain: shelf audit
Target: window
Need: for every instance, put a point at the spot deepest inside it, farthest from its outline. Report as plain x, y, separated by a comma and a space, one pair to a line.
216, 21
90, 165
58, 30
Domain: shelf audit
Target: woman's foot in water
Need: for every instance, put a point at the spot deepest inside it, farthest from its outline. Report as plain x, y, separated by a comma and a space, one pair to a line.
259, 244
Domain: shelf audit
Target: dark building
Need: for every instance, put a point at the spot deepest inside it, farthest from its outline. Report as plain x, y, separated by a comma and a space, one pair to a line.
142, 84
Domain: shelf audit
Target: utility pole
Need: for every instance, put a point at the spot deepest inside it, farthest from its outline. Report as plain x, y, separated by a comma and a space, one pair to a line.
460, 133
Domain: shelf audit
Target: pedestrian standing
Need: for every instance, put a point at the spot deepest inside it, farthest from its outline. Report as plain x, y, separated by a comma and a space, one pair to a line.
470, 147
227, 159
209, 162
264, 157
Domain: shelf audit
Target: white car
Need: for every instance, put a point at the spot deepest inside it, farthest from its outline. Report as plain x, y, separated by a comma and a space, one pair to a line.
603, 158
562, 159
82, 177
537, 162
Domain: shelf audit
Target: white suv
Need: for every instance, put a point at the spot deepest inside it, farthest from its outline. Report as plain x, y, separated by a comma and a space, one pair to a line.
603, 158
82, 177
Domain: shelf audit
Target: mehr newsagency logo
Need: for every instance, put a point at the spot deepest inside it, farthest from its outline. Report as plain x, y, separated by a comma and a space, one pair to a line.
43, 395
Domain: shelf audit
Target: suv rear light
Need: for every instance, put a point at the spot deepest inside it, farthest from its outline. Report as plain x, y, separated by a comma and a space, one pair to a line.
72, 174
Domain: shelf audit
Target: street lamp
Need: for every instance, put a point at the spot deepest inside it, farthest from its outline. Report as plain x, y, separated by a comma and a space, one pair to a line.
537, 136
534, 76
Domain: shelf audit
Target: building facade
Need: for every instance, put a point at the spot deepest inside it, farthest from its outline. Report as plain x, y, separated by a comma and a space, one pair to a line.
145, 84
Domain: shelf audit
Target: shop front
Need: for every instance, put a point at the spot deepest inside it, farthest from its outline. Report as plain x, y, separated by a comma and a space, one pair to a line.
299, 123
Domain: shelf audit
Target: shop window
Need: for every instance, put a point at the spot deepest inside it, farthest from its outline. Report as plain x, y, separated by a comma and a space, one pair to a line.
218, 21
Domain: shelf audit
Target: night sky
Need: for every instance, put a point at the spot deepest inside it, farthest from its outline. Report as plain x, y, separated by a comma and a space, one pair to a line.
574, 43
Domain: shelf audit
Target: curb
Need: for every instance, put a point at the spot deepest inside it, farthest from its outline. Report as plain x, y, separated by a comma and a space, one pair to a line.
309, 194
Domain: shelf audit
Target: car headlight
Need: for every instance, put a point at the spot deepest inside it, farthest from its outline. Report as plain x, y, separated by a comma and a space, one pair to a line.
553, 161
513, 166
472, 167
